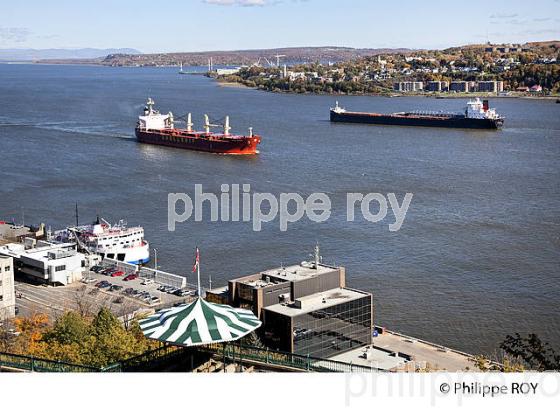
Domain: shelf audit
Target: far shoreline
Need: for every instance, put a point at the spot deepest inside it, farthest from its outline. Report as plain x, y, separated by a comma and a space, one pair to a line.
234, 84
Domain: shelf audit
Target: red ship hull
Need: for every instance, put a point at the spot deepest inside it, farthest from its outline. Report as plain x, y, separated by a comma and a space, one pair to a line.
200, 141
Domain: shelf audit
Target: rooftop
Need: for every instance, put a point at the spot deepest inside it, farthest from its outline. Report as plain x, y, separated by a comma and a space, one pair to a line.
294, 273
40, 250
397, 352
316, 301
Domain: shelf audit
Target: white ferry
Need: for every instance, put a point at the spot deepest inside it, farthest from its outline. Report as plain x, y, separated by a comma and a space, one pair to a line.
109, 241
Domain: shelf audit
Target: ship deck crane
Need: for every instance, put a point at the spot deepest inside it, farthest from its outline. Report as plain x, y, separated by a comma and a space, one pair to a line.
278, 59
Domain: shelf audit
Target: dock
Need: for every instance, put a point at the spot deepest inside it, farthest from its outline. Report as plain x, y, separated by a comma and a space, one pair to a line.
396, 352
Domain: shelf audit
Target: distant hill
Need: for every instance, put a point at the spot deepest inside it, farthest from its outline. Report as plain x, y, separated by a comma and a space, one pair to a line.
288, 55
29, 54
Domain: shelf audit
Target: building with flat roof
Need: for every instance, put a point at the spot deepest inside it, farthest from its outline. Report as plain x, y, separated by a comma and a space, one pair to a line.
490, 86
283, 284
437, 86
459, 86
408, 86
7, 289
10, 232
322, 324
46, 261
305, 309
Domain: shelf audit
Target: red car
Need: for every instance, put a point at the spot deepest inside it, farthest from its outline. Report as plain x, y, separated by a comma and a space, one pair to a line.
130, 277
117, 273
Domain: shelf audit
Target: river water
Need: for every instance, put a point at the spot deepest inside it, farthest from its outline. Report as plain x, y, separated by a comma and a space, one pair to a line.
477, 256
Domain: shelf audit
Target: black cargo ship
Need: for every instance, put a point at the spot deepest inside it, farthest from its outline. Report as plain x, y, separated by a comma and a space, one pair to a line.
477, 115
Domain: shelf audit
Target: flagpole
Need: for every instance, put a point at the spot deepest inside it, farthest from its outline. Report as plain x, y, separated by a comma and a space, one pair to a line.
198, 271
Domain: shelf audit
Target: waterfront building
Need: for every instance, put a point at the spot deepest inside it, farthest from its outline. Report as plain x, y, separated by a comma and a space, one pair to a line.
321, 324
459, 86
10, 232
437, 86
535, 89
7, 290
305, 309
490, 86
408, 86
227, 71
46, 261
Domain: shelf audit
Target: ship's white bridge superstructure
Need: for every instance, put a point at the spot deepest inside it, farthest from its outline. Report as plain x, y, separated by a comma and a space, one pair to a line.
479, 109
154, 120
117, 241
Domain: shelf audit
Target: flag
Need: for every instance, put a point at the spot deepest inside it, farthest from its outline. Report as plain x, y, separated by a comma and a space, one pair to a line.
196, 260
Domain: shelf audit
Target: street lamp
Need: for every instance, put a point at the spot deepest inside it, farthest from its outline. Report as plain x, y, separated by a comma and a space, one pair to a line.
155, 258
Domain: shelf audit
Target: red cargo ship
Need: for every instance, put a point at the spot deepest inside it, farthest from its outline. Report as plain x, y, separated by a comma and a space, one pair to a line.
159, 129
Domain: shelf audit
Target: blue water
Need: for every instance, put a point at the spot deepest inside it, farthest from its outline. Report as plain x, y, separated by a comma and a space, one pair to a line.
477, 257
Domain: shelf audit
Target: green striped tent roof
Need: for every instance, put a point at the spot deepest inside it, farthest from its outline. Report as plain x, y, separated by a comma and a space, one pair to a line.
199, 323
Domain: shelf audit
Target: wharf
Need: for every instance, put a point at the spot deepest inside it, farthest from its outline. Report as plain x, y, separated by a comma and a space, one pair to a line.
401, 353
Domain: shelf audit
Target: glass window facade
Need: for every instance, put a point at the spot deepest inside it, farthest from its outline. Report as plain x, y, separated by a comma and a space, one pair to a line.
333, 330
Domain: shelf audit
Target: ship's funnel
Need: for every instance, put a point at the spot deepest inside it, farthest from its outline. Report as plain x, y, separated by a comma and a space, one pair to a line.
485, 105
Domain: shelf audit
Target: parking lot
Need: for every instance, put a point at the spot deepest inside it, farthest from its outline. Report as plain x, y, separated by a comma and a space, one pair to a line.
54, 301
87, 298
165, 299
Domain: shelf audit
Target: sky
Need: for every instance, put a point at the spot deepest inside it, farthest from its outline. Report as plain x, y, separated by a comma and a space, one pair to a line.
209, 25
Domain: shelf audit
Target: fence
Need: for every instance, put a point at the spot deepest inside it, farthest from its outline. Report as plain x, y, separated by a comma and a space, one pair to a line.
163, 278
34, 364
151, 359
291, 360
127, 268
156, 358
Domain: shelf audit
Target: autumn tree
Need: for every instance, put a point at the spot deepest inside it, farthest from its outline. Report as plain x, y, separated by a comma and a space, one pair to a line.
535, 353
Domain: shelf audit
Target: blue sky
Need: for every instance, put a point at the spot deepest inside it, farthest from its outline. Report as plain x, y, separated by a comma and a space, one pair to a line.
196, 25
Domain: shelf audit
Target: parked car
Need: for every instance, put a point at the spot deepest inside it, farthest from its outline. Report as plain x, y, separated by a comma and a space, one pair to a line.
89, 280
147, 281
99, 284
108, 271
104, 285
132, 276
96, 268
117, 273
154, 300
128, 291
116, 288
183, 292
139, 295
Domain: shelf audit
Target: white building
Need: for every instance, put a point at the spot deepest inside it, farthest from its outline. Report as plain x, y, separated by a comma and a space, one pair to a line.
227, 71
7, 290
49, 262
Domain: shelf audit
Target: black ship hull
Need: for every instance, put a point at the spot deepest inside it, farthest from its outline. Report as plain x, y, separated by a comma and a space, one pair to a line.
417, 120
